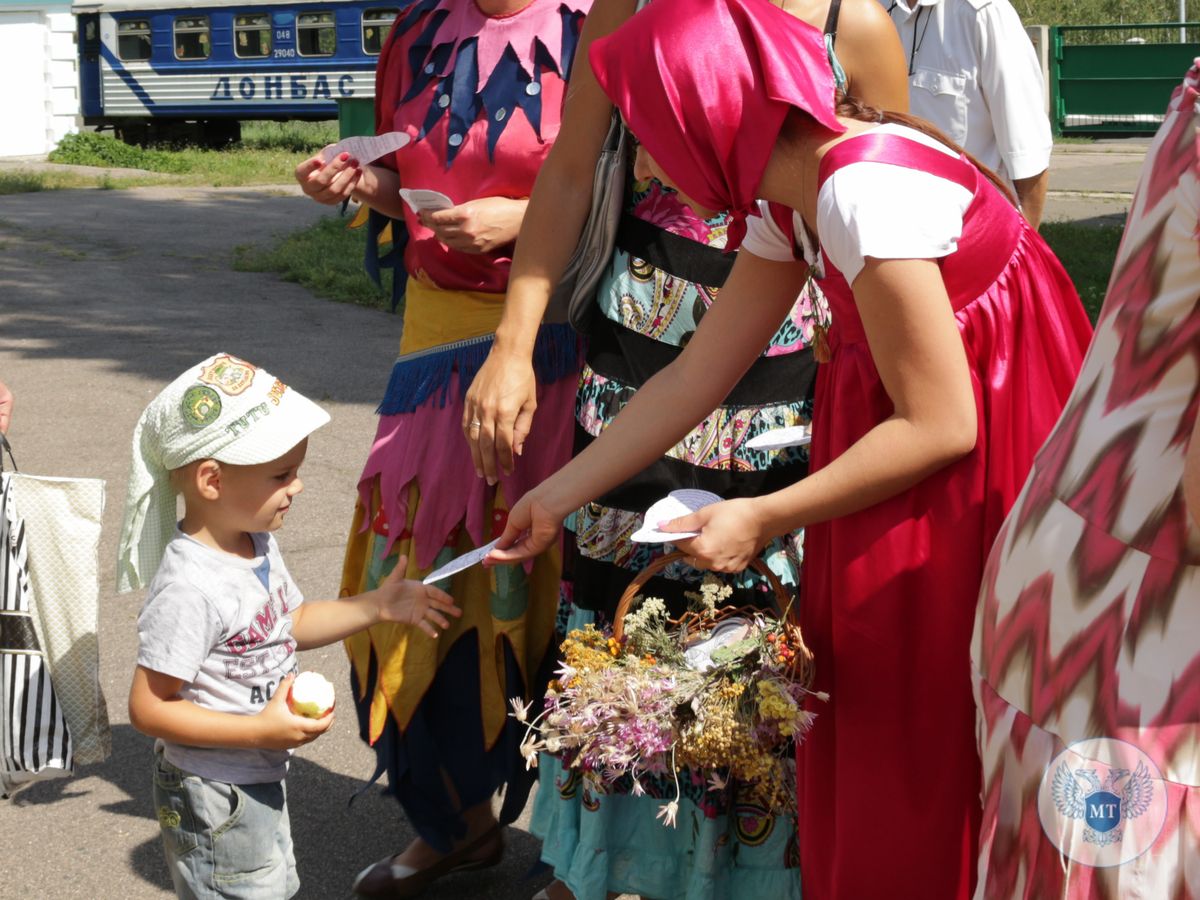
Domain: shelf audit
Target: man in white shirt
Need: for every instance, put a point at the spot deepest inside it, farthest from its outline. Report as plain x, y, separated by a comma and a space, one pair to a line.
973, 72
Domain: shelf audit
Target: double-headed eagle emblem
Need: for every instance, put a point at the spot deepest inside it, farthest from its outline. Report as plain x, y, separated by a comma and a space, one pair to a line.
1103, 806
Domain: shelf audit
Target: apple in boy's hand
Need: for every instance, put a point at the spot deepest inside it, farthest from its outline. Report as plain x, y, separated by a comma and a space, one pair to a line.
311, 695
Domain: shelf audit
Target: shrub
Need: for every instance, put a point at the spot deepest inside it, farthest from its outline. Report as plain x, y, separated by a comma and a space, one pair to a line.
91, 149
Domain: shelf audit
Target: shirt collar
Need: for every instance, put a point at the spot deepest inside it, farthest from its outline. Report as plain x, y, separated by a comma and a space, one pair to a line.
906, 8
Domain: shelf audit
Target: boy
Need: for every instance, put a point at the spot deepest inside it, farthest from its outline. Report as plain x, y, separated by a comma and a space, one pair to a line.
223, 619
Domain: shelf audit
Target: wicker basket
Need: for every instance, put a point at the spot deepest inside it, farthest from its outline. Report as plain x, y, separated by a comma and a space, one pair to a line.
802, 668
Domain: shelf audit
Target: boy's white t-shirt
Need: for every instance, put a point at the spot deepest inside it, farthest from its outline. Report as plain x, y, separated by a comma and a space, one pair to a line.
223, 625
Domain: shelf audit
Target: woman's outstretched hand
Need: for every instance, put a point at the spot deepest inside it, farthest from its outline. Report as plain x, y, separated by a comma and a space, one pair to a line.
731, 535
498, 413
532, 528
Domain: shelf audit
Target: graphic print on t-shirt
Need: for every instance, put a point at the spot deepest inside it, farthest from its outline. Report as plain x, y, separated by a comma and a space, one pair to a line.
256, 652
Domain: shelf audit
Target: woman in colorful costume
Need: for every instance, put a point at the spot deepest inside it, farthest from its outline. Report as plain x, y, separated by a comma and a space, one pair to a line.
667, 269
478, 87
950, 358
1086, 629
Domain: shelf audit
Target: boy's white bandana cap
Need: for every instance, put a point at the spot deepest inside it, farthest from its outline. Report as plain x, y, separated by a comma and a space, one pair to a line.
224, 409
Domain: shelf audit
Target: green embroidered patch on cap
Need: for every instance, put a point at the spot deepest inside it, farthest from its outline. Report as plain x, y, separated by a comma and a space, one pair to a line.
200, 406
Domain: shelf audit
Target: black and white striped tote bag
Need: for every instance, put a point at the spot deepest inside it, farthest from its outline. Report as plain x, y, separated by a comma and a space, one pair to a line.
34, 741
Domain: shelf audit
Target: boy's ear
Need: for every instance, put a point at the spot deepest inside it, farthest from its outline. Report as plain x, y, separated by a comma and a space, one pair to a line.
208, 479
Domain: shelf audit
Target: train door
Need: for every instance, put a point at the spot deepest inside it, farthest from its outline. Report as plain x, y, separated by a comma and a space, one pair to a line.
89, 65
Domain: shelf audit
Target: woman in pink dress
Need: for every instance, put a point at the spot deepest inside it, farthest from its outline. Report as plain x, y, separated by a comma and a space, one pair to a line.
956, 337
1086, 634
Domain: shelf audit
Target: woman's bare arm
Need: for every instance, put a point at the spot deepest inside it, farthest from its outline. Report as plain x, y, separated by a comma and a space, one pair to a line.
868, 48
918, 352
503, 396
756, 298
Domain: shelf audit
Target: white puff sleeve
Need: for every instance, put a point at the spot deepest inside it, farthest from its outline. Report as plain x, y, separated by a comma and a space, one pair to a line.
888, 212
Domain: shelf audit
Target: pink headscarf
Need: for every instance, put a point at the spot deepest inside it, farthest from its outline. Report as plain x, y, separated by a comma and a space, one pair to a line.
705, 85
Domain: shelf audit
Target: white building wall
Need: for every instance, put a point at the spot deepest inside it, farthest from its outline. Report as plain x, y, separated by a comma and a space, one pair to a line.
40, 100
62, 76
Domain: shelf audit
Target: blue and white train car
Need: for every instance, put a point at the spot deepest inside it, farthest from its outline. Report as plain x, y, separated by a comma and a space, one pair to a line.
153, 63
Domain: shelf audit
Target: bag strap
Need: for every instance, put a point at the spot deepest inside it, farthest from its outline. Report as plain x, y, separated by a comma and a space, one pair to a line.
5, 446
831, 20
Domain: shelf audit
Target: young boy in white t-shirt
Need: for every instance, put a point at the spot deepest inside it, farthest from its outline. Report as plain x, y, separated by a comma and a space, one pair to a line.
222, 621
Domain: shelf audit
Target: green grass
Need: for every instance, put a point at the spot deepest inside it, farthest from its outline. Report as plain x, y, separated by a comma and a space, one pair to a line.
290, 137
1087, 253
326, 258
23, 182
268, 156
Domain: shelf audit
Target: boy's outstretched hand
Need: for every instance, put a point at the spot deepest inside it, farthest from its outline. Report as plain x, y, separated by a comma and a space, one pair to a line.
413, 603
281, 729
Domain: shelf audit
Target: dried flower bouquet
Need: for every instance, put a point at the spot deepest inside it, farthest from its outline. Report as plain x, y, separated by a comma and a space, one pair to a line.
719, 691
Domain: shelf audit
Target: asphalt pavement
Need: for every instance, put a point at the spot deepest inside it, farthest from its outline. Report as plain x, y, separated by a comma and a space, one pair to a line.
105, 296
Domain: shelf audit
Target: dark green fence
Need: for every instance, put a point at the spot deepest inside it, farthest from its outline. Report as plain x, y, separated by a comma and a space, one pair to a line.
1117, 78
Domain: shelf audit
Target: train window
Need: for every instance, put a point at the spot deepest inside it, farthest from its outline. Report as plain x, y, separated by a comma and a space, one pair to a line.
133, 39
375, 25
252, 36
316, 34
191, 37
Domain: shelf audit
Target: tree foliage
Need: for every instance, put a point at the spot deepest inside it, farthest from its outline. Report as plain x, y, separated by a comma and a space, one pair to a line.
1101, 12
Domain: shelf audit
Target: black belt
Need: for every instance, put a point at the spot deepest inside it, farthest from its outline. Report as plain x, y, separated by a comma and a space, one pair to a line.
620, 353
681, 257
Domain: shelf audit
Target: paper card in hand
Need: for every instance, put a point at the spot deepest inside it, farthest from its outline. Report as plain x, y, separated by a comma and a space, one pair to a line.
419, 199
779, 438
367, 148
462, 562
675, 504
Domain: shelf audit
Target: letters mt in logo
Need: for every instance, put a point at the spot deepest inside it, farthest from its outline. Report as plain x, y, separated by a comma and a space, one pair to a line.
228, 373
1102, 802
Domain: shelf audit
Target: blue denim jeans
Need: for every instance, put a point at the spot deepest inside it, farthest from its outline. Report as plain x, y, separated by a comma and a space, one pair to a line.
224, 840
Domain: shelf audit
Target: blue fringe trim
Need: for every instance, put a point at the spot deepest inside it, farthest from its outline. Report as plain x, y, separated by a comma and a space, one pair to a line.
420, 377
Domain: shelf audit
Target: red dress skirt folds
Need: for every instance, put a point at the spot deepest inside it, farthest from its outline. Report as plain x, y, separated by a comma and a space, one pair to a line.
889, 777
